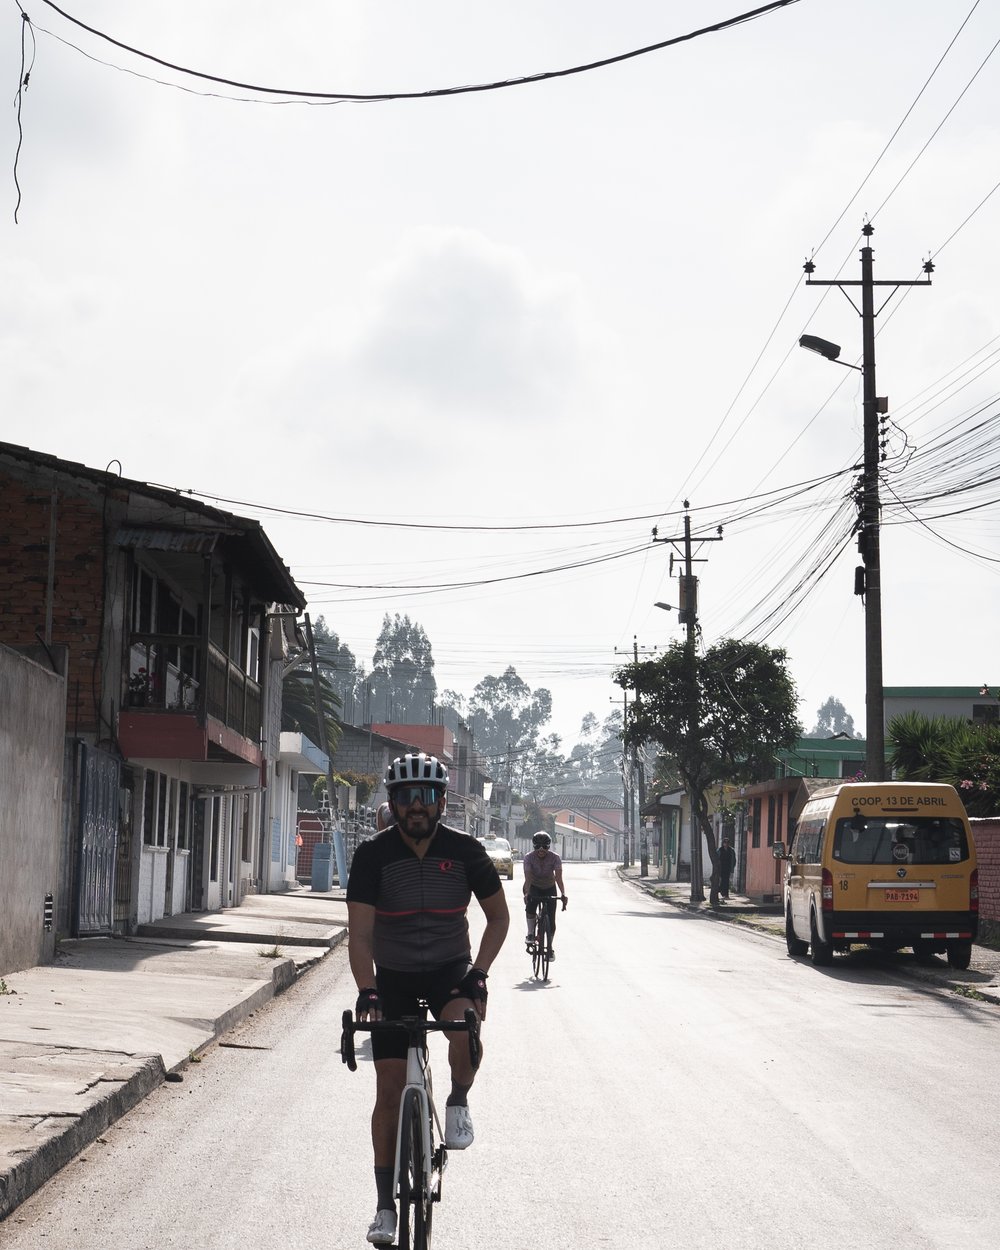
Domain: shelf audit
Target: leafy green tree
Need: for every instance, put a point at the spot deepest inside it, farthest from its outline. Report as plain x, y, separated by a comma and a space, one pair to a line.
952, 750
542, 767
337, 663
535, 819
833, 718
404, 689
506, 715
720, 717
595, 760
298, 703
453, 709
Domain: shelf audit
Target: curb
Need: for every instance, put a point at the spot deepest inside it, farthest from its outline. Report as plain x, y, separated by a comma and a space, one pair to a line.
62, 1138
135, 1078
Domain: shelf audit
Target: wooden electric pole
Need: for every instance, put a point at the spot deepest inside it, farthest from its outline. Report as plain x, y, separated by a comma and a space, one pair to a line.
687, 614
868, 577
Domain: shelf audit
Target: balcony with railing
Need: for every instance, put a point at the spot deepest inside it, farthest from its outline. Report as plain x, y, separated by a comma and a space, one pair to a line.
173, 679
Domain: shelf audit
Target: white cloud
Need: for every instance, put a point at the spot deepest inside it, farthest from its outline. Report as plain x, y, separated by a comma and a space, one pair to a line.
459, 324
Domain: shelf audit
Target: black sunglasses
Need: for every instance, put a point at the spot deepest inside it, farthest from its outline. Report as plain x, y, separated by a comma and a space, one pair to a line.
403, 796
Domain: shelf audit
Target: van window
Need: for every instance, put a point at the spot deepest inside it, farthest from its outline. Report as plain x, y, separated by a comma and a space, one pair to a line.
917, 840
809, 838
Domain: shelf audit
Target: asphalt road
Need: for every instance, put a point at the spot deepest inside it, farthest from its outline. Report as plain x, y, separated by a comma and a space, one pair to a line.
676, 1083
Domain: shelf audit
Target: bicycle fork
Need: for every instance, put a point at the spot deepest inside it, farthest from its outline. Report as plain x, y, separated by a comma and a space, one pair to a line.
418, 1081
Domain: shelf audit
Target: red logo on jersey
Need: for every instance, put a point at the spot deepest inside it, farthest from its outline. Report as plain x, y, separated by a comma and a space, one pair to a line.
445, 865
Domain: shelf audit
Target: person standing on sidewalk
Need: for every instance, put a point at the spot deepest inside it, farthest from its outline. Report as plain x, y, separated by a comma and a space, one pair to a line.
408, 894
542, 879
727, 864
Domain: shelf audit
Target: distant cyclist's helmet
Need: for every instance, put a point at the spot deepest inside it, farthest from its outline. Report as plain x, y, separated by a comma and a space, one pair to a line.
541, 841
414, 768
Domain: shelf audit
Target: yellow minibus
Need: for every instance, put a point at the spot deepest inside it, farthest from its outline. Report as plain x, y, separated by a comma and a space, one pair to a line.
887, 864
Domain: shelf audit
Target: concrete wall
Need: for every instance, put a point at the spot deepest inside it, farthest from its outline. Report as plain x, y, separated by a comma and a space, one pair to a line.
32, 725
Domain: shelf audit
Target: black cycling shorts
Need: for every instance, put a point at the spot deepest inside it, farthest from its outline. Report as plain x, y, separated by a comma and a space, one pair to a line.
401, 994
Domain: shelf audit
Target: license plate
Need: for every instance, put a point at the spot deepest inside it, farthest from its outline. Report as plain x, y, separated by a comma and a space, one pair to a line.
902, 896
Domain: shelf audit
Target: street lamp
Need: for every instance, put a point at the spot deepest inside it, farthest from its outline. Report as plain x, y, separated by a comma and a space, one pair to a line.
667, 607
868, 577
826, 349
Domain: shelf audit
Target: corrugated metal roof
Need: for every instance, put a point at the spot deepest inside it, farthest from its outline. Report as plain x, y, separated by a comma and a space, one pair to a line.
191, 542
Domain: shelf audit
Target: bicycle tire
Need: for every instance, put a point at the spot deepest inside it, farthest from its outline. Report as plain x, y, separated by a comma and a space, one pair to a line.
544, 942
414, 1202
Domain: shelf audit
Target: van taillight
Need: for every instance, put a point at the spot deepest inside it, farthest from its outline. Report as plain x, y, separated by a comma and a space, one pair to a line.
974, 890
827, 890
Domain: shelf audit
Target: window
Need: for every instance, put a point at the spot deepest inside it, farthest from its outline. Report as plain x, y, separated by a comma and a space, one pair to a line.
162, 786
245, 832
142, 601
148, 807
770, 819
755, 822
156, 796
183, 816
216, 818
917, 840
808, 839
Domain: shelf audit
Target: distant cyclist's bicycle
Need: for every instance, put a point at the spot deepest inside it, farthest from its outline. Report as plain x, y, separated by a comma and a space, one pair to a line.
421, 1154
541, 949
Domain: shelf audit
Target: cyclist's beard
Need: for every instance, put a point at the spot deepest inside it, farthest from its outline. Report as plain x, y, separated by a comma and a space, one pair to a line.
422, 830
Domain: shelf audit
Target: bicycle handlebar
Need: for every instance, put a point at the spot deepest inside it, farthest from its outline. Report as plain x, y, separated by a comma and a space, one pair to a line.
415, 1027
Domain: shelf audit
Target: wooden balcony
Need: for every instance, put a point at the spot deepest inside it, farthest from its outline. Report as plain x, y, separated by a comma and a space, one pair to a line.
183, 702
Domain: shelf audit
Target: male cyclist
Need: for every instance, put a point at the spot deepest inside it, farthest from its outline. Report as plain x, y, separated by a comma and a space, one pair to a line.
408, 939
542, 878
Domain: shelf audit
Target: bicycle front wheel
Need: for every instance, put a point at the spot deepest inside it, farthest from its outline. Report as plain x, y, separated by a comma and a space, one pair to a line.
544, 941
414, 1198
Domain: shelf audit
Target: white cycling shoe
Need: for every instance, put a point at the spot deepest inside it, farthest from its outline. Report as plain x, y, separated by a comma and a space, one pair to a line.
458, 1132
382, 1230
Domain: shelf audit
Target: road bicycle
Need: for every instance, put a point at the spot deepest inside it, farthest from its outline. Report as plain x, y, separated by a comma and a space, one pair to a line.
541, 948
421, 1155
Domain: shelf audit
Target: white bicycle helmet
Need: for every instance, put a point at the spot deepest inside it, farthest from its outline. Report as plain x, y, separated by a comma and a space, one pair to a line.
416, 767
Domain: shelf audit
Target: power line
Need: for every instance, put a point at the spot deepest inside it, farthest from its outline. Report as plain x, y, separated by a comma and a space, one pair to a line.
385, 96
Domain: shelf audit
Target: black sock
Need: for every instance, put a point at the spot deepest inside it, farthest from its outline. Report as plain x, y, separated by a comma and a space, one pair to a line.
459, 1096
383, 1183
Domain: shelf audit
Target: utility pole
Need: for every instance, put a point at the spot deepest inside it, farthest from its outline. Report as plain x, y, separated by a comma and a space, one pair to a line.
687, 614
631, 772
324, 745
640, 775
627, 797
868, 577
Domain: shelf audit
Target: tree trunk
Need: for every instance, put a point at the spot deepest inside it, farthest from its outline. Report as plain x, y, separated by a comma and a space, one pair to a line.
704, 824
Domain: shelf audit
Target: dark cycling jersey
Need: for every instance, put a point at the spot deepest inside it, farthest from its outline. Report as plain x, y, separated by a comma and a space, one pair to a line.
421, 904
540, 873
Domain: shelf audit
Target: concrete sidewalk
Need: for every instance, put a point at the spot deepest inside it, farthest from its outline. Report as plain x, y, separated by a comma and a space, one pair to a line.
82, 1040
981, 981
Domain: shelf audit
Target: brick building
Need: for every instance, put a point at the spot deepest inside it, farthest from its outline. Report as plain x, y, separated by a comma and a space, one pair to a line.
175, 619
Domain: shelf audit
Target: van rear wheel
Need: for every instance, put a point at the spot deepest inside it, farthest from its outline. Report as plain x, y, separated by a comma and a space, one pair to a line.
959, 954
821, 953
796, 946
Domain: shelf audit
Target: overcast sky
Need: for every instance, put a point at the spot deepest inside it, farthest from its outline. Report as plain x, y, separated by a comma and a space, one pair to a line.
567, 305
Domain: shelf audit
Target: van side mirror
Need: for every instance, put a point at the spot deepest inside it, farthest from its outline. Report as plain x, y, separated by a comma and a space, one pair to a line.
778, 850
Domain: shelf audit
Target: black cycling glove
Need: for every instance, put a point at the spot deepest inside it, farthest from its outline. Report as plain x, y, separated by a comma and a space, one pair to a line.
368, 1003
473, 985
565, 900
